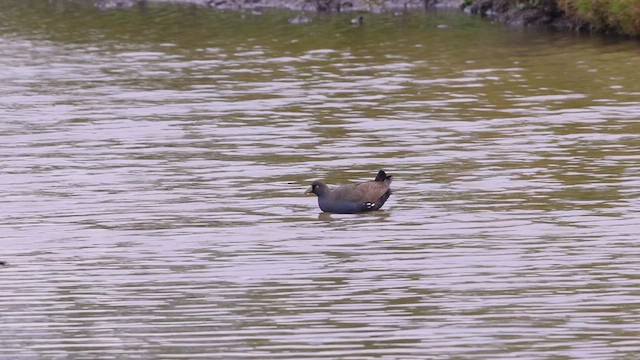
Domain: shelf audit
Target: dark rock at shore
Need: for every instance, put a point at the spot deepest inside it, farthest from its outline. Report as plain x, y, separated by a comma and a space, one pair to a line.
527, 13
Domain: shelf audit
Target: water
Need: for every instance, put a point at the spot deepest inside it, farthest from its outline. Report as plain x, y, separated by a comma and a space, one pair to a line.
154, 162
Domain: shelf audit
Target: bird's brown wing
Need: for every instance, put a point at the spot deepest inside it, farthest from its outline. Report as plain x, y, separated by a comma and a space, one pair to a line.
370, 191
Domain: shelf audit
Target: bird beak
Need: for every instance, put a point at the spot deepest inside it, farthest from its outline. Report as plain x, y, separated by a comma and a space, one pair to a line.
309, 191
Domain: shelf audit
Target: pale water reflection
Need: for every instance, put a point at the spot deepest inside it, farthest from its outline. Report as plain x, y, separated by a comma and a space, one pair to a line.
154, 162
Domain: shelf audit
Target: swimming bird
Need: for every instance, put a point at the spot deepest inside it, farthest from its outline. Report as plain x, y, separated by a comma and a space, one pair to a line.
358, 20
353, 198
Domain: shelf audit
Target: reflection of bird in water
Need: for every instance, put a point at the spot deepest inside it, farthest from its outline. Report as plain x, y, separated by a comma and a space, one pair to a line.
120, 4
358, 20
301, 19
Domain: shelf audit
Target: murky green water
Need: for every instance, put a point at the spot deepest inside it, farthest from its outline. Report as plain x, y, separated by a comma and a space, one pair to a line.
153, 163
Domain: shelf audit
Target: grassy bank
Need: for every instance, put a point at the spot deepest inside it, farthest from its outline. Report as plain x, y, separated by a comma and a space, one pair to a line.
606, 16
620, 16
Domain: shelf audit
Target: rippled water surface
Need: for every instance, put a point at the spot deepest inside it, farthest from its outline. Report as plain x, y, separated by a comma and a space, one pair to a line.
153, 163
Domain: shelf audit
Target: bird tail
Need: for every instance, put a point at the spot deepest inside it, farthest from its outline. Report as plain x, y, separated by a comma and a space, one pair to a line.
382, 177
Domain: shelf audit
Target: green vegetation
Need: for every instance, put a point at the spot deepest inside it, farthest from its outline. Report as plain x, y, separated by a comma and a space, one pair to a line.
606, 16
621, 16
527, 4
466, 3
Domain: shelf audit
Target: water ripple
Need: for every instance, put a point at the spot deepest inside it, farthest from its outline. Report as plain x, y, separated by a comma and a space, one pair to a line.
153, 190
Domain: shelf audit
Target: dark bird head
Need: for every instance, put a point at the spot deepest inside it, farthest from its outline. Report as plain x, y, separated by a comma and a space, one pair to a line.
383, 177
318, 187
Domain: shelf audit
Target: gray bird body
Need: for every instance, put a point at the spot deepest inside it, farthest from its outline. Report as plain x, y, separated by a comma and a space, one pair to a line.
353, 198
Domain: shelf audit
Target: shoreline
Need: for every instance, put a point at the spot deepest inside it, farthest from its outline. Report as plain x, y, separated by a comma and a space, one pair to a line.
549, 14
320, 6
